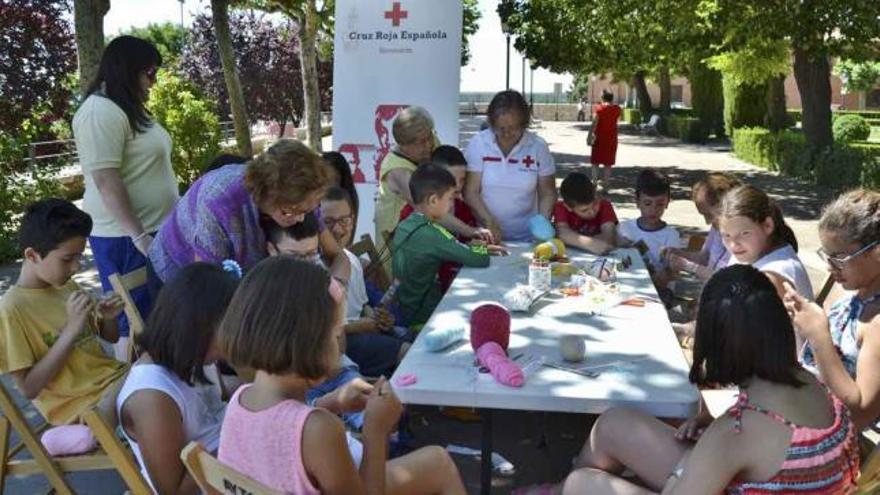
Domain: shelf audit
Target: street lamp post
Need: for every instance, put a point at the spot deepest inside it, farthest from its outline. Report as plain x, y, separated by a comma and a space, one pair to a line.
524, 75
531, 85
505, 28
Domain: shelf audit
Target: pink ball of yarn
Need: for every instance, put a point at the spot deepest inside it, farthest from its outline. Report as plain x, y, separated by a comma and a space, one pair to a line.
490, 323
69, 440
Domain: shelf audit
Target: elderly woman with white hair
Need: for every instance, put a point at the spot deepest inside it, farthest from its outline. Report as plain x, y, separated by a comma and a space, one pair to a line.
413, 131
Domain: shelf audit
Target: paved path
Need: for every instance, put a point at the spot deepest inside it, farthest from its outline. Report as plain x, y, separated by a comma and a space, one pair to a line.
541, 446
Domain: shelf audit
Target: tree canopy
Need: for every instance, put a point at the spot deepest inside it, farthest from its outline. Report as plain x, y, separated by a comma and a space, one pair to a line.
267, 57
168, 37
37, 58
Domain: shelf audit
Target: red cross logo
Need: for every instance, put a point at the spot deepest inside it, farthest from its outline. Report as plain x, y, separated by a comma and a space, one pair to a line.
396, 14
527, 161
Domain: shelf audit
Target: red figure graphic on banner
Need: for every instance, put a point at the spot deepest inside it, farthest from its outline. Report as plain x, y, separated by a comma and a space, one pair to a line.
352, 150
385, 115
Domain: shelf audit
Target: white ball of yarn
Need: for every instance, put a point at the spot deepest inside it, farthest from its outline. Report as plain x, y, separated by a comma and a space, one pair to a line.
572, 348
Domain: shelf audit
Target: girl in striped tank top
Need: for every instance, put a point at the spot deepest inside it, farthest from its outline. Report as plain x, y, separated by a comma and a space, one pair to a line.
785, 435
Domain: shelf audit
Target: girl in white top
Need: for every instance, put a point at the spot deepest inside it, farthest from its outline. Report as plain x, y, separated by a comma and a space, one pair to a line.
511, 173
707, 195
755, 233
167, 400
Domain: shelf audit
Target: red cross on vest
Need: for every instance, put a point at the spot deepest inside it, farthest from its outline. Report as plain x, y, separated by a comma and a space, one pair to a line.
527, 161
396, 14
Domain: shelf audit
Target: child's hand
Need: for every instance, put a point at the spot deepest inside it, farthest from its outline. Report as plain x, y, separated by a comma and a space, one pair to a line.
383, 410
496, 250
810, 321
352, 396
79, 307
384, 319
692, 429
110, 306
676, 263
484, 235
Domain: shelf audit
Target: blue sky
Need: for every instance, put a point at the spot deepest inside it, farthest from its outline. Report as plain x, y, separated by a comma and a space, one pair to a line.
485, 72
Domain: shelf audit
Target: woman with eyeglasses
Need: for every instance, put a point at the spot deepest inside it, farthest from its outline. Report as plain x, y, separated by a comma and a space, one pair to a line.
843, 347
220, 216
125, 157
511, 173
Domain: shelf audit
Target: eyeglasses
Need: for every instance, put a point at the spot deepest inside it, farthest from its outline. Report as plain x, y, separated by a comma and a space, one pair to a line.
838, 261
344, 221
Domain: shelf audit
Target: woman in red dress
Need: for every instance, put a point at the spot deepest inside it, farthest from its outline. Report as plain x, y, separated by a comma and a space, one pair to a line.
603, 137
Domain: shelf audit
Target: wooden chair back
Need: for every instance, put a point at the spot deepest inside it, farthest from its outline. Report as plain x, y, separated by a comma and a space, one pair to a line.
123, 459
53, 468
376, 272
123, 285
213, 477
869, 479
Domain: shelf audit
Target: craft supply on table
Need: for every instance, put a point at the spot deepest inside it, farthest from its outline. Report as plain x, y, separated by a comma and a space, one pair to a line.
442, 338
490, 336
551, 250
406, 380
540, 275
573, 348
521, 297
541, 228
604, 269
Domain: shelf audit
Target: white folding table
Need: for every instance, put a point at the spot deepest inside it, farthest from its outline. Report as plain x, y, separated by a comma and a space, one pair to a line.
646, 368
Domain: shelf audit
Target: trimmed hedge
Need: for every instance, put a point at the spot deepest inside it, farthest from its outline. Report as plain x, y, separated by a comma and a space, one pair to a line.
842, 167
688, 129
632, 116
849, 127
873, 117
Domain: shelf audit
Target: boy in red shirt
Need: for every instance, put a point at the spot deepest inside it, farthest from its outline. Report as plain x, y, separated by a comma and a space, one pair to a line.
583, 219
453, 159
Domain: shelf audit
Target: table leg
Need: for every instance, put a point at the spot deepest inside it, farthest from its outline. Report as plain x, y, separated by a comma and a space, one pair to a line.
486, 456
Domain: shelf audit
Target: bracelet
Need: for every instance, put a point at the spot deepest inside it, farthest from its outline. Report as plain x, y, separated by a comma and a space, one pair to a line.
138, 237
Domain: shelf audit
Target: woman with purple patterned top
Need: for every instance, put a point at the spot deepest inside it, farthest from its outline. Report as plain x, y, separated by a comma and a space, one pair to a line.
219, 216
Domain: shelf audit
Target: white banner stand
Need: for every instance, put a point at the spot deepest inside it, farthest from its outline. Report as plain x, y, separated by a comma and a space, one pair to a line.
390, 55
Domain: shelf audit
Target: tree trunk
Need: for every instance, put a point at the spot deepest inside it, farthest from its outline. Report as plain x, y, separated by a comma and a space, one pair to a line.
220, 13
89, 24
777, 117
813, 76
665, 84
707, 97
308, 34
645, 105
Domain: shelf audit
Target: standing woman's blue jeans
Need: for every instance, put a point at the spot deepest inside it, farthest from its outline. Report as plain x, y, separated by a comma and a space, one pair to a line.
118, 255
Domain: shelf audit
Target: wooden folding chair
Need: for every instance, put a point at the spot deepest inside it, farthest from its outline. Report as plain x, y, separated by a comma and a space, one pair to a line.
121, 457
53, 468
375, 273
869, 479
123, 285
213, 477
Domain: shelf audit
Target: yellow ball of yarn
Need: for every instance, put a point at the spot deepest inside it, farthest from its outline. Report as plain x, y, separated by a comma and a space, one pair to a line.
550, 250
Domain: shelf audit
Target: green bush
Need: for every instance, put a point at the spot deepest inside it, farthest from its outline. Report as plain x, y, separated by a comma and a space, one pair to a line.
745, 105
632, 116
688, 129
191, 121
850, 127
22, 181
841, 167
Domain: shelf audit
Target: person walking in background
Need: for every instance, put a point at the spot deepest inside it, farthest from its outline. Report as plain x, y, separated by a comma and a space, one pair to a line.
602, 137
125, 157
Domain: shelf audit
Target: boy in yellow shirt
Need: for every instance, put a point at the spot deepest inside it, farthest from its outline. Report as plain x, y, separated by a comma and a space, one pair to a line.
49, 325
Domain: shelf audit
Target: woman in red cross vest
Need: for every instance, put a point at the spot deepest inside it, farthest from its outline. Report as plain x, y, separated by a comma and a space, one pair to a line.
602, 137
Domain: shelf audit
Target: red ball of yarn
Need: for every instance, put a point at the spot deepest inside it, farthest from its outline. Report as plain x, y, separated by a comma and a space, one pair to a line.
490, 323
